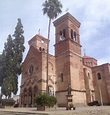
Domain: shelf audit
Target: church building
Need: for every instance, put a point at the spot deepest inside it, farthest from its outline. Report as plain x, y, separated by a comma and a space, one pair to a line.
89, 82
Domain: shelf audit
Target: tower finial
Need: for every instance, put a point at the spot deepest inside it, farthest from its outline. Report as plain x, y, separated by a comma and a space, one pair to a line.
67, 10
39, 31
84, 51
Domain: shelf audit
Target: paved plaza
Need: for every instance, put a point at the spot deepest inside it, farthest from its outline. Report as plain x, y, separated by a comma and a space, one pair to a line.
95, 110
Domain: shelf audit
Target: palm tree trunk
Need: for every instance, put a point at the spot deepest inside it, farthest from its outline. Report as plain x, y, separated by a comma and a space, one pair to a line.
48, 54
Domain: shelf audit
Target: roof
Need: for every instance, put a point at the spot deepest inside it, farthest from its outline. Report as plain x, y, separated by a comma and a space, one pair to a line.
88, 57
67, 16
37, 37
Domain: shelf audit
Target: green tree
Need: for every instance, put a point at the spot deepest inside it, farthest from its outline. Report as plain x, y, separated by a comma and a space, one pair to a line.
1, 71
1, 77
6, 59
12, 61
18, 46
52, 8
8, 67
10, 85
7, 87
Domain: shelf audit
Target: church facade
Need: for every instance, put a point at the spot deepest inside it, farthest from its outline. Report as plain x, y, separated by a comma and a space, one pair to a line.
89, 81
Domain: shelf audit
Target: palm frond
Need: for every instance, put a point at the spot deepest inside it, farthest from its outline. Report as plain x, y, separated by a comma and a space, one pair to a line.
52, 8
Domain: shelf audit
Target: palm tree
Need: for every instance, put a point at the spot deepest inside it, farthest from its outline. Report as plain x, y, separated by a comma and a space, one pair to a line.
52, 8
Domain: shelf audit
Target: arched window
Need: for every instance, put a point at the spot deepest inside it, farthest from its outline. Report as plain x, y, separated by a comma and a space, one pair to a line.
61, 35
64, 33
40, 48
98, 76
43, 49
88, 75
72, 34
61, 77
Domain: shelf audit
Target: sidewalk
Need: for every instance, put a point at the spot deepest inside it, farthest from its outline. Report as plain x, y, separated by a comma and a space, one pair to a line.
95, 110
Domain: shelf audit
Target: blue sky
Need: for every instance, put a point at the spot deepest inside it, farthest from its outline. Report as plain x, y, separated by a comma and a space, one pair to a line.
93, 15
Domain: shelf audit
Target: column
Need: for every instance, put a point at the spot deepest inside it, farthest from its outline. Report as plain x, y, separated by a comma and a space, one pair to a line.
33, 98
27, 100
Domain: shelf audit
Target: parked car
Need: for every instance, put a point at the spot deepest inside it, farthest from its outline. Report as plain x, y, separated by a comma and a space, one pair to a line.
94, 103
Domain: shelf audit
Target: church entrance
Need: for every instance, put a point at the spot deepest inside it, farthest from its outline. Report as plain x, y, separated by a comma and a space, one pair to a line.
28, 97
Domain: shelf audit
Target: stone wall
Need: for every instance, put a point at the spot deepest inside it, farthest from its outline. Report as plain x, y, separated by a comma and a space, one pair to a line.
101, 83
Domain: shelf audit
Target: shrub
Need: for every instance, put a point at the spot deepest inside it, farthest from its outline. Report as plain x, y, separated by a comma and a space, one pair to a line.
7, 102
52, 101
45, 100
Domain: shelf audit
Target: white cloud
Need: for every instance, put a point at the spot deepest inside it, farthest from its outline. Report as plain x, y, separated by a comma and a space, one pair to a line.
93, 15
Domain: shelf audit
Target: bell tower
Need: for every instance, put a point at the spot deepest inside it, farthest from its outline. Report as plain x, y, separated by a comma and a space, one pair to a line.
69, 68
67, 29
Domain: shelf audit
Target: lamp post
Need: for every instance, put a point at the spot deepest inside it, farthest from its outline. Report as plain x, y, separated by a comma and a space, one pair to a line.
54, 88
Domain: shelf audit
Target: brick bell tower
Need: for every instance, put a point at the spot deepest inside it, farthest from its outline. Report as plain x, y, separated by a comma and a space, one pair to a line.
69, 68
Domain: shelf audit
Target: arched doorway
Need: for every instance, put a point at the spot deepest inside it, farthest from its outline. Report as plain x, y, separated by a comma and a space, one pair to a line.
24, 101
30, 97
35, 92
